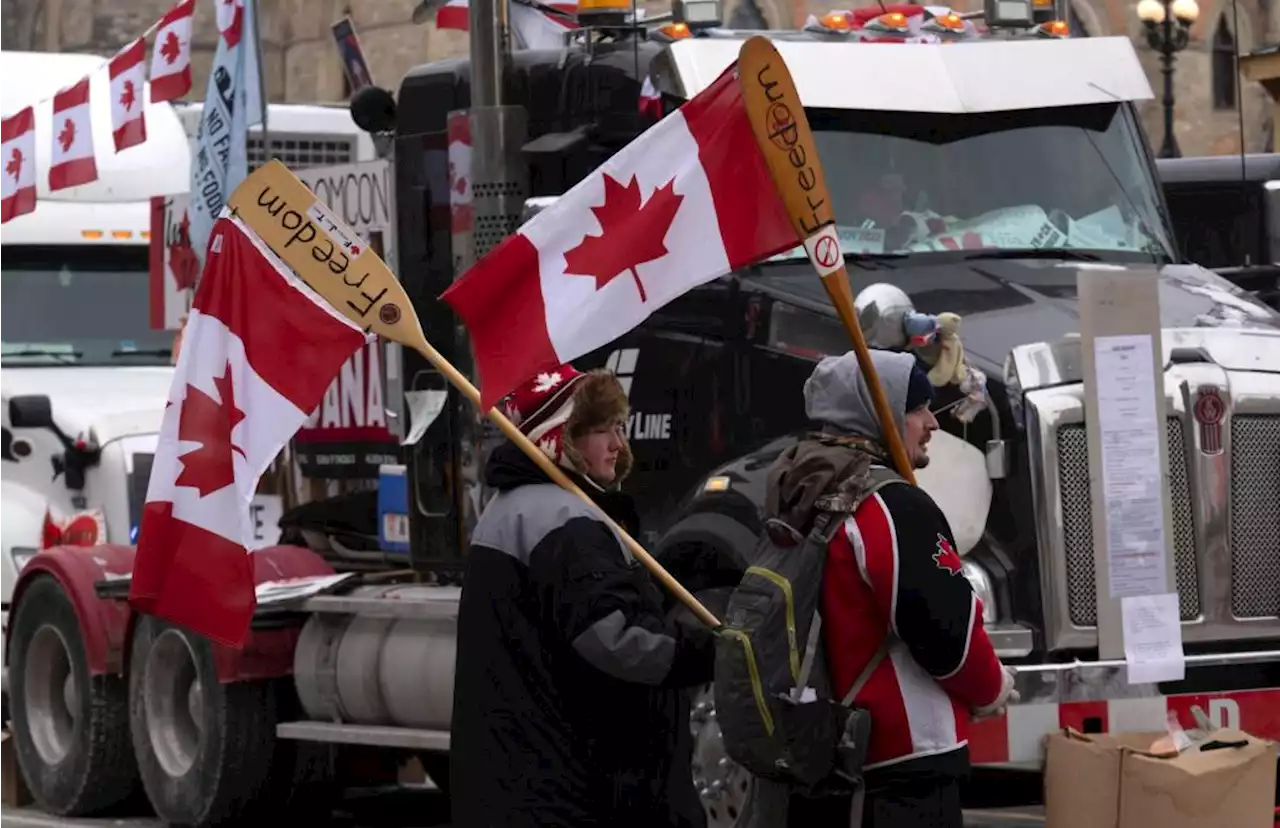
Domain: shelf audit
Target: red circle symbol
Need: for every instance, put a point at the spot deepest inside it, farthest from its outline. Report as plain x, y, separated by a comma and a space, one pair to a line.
826, 252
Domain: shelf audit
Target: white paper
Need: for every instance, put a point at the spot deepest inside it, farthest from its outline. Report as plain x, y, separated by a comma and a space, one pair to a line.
424, 407
1130, 431
1153, 638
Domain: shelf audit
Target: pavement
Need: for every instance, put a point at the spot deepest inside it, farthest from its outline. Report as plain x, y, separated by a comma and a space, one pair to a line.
1030, 817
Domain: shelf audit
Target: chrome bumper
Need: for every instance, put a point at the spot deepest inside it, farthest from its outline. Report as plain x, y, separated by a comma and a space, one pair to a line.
1081, 681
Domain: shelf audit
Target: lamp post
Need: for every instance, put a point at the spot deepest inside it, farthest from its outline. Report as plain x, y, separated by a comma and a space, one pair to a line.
1168, 25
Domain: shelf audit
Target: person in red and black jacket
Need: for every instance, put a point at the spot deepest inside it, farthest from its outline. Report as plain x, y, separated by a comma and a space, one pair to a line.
895, 600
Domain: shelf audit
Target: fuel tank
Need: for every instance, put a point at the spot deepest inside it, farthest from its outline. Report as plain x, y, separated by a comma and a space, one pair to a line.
388, 662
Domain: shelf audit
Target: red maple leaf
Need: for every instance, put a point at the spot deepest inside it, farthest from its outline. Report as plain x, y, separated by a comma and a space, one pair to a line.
128, 95
67, 136
208, 422
946, 557
631, 233
182, 258
171, 48
14, 167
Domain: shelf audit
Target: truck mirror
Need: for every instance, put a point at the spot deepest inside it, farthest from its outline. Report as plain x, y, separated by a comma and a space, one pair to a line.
30, 411
373, 109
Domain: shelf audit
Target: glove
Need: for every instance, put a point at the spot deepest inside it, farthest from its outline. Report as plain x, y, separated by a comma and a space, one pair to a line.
1008, 695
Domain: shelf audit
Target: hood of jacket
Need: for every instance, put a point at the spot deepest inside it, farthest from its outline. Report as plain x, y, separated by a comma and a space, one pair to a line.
508, 467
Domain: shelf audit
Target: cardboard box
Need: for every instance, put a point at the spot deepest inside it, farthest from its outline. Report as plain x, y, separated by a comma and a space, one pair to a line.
1116, 781
13, 788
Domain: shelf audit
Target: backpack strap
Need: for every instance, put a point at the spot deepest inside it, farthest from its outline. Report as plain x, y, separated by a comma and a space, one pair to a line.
825, 527
865, 675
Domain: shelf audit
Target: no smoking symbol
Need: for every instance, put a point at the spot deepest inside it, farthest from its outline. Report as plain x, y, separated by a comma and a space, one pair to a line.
826, 251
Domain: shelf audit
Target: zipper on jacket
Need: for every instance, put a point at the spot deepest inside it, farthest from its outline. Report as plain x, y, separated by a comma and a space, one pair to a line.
784, 585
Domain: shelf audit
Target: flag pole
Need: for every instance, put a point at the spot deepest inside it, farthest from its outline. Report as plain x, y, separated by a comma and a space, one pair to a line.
329, 256
782, 132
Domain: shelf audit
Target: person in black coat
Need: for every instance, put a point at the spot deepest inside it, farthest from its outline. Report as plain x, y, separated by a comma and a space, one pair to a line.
568, 691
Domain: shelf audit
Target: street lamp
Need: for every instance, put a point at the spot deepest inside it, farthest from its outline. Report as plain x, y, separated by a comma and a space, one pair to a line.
1168, 37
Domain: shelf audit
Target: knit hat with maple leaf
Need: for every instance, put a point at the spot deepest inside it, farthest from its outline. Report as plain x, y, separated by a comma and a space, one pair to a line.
556, 407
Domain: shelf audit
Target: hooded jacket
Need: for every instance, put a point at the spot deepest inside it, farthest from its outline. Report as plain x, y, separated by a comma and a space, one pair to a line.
892, 578
567, 700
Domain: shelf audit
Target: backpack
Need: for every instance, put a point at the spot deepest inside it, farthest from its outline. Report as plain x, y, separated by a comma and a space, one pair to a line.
772, 689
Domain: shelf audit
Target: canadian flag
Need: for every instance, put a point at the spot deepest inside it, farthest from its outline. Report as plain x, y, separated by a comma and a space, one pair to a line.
128, 109
18, 154
72, 161
461, 212
259, 351
650, 100
230, 17
688, 201
171, 56
534, 23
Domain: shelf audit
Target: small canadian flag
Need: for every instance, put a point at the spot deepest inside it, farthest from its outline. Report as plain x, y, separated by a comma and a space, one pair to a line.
71, 162
171, 57
128, 109
18, 154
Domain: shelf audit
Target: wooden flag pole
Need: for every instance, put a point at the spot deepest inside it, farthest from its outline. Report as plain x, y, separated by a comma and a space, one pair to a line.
326, 254
786, 142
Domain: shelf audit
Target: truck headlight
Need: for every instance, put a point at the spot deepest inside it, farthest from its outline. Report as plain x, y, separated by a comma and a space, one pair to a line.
981, 583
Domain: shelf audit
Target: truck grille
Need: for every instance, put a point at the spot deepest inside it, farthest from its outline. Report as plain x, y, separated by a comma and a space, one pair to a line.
1077, 522
1255, 516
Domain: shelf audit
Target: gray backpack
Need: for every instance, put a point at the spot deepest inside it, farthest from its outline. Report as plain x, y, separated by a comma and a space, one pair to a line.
773, 693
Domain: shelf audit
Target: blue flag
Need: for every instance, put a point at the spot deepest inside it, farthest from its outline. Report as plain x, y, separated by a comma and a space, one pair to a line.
233, 103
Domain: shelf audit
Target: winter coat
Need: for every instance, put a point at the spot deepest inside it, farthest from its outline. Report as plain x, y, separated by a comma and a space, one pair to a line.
568, 704
893, 570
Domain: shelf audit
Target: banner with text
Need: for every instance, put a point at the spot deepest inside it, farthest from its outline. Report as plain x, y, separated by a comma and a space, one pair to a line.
347, 438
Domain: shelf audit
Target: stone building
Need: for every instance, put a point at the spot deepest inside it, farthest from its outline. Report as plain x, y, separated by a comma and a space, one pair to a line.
301, 62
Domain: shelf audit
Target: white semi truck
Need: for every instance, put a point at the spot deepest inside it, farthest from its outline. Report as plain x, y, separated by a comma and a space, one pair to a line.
1027, 162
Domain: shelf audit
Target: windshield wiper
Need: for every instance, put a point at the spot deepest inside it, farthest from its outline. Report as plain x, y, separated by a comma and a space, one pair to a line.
151, 352
1035, 253
64, 356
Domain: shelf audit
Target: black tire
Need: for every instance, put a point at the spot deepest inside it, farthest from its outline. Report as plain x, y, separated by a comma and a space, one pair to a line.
212, 773
74, 753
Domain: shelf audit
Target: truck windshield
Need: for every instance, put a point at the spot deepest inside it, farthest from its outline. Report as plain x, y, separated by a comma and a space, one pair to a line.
1067, 178
78, 305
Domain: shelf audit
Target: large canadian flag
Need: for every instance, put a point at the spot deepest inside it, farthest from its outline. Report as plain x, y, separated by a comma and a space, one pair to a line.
259, 351
128, 108
688, 201
171, 57
18, 156
71, 162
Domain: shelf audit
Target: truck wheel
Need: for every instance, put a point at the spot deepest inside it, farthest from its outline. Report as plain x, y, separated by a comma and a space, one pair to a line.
71, 729
204, 748
723, 786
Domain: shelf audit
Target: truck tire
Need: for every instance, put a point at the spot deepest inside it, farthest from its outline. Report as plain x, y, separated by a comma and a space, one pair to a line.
204, 749
70, 729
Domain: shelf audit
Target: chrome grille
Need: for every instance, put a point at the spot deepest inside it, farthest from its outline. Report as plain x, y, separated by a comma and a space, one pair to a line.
1255, 516
299, 151
1077, 523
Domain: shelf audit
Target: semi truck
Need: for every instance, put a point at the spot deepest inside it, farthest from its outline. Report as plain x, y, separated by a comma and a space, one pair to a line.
920, 115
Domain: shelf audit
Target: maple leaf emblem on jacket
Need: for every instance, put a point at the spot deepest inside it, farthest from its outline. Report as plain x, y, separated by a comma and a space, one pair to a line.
631, 233
67, 136
209, 422
946, 557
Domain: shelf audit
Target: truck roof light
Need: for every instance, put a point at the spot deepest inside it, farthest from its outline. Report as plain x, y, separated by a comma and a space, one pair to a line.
603, 12
91, 234
889, 22
950, 22
837, 20
1054, 28
673, 31
121, 234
